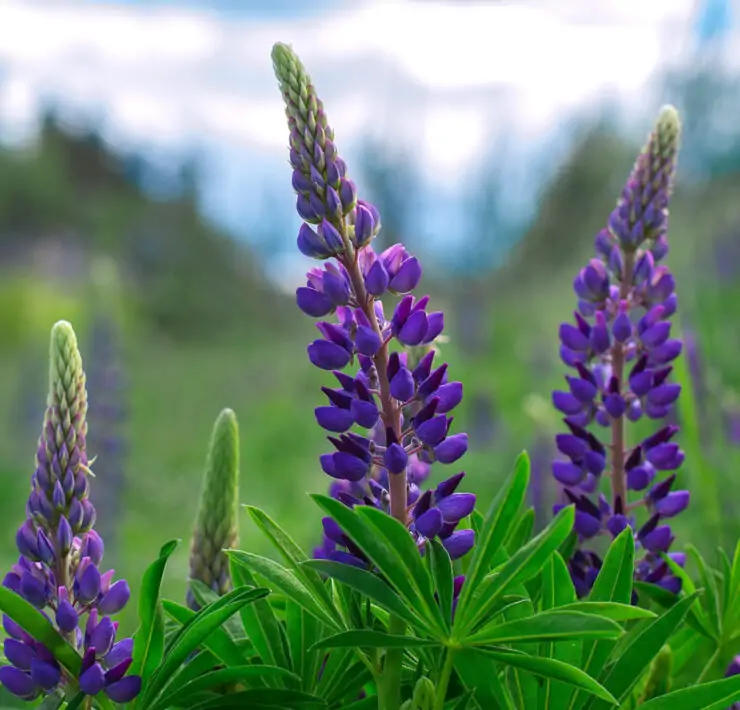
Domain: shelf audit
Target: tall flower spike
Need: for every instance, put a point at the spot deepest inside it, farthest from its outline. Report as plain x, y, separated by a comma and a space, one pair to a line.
620, 349
326, 197
57, 571
398, 398
216, 526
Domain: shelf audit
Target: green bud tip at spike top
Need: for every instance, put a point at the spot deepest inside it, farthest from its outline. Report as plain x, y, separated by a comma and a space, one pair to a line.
216, 526
67, 401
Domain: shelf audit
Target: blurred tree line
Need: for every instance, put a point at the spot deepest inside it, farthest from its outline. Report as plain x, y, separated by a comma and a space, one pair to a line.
71, 198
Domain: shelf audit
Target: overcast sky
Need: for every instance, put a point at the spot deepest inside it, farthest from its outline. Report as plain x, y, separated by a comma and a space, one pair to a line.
439, 78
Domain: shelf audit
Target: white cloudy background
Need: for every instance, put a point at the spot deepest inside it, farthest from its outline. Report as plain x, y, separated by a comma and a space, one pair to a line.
441, 80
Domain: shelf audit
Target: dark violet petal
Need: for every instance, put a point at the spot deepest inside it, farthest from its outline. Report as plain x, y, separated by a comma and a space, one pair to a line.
566, 403
414, 329
582, 390
395, 458
346, 466
664, 395
457, 506
432, 431
407, 277
430, 522
364, 413
327, 355
459, 543
586, 525
92, 680
658, 540
33, 590
615, 405
66, 617
117, 672
639, 477
622, 328
116, 598
572, 338
347, 558
616, 524
641, 382
402, 385
19, 654
18, 683
334, 419
312, 302
336, 288
46, 675
89, 584
452, 448
103, 636
448, 486
376, 281
657, 335
673, 504
367, 341
567, 473
124, 690
572, 446
665, 457
435, 326
449, 395
120, 652
665, 353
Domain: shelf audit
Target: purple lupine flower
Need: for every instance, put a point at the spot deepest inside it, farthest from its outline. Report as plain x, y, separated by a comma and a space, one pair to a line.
398, 399
60, 553
620, 349
106, 384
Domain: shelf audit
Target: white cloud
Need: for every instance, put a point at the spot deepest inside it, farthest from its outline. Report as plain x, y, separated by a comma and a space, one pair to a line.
440, 70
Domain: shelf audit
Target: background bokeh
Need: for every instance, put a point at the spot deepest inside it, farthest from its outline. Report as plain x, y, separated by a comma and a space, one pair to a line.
145, 197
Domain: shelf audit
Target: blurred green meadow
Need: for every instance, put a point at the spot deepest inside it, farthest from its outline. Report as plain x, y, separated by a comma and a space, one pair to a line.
201, 329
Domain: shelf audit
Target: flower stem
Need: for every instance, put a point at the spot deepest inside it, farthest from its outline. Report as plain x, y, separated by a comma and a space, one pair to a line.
619, 481
444, 680
389, 682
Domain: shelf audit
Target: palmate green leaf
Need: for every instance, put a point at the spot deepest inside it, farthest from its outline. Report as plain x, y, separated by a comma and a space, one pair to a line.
711, 599
613, 584
76, 702
521, 531
442, 574
610, 610
397, 537
303, 631
550, 668
734, 595
717, 695
202, 625
399, 570
479, 675
367, 638
665, 599
204, 595
523, 565
201, 663
688, 586
260, 623
340, 673
557, 592
553, 625
462, 702
524, 686
219, 643
245, 675
264, 699
491, 537
149, 638
286, 581
636, 658
368, 703
293, 556
372, 587
37, 625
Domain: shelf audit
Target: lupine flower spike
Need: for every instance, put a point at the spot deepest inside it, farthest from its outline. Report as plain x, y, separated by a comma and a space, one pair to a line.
398, 399
60, 553
620, 350
217, 525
